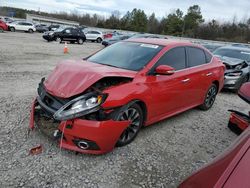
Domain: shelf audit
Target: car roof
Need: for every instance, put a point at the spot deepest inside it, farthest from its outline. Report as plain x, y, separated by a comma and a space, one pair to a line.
241, 48
162, 42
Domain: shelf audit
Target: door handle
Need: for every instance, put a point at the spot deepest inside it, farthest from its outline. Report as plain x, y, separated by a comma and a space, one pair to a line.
185, 80
209, 74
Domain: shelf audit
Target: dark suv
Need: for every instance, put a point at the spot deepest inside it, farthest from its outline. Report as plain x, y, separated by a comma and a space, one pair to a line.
68, 34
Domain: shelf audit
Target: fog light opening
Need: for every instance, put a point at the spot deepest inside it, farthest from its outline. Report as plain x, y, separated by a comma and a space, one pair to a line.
83, 145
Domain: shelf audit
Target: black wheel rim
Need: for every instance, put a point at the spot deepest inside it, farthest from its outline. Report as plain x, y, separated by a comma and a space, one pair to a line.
132, 115
211, 95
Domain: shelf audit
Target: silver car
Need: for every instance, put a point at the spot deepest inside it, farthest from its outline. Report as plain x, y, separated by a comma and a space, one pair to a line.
237, 62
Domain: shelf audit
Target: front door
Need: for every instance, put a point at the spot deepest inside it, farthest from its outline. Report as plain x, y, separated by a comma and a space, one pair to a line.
169, 92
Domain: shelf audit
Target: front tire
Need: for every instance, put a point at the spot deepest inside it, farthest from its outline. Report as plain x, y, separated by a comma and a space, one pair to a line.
134, 114
80, 41
12, 29
209, 98
57, 39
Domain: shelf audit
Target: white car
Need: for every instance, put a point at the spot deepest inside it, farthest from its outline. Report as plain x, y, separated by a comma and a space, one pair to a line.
21, 26
94, 36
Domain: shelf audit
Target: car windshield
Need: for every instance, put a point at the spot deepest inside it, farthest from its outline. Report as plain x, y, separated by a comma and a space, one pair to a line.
126, 55
234, 53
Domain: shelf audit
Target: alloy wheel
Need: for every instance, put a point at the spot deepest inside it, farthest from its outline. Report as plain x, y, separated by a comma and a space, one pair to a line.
134, 115
211, 95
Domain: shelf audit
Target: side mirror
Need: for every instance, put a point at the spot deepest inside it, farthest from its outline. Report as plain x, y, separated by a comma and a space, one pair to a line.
164, 70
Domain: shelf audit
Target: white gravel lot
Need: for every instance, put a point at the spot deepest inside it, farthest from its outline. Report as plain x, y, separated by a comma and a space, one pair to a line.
162, 155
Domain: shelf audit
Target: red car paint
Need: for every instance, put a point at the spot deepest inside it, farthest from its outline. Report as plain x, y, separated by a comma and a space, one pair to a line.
244, 92
3, 26
239, 121
162, 95
104, 133
71, 78
107, 35
229, 170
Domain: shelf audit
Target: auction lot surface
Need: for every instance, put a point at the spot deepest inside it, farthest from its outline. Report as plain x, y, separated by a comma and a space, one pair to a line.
161, 156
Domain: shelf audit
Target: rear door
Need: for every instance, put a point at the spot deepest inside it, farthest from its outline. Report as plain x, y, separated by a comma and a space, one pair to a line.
198, 73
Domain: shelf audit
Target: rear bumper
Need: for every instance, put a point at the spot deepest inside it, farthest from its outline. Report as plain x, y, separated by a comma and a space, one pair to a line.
101, 135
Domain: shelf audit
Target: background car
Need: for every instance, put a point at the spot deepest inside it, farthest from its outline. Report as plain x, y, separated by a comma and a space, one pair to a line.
114, 39
105, 99
41, 28
236, 60
3, 26
54, 27
68, 34
212, 47
6, 19
21, 26
143, 35
94, 35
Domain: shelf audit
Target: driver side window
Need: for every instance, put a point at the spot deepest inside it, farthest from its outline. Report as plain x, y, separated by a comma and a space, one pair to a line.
175, 58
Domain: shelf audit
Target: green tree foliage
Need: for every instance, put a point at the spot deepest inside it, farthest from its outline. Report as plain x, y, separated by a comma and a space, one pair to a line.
153, 24
139, 20
173, 24
113, 21
192, 20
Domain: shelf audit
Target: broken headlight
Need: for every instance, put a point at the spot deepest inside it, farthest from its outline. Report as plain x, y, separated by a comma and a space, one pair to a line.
241, 66
80, 106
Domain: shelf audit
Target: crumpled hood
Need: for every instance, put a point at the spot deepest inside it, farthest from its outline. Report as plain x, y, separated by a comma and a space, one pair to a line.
73, 77
231, 61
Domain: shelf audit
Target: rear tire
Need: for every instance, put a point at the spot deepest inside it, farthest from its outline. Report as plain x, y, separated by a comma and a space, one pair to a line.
99, 40
209, 98
30, 31
135, 115
1, 30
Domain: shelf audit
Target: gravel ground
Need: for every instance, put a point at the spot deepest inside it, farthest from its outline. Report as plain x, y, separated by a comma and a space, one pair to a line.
161, 156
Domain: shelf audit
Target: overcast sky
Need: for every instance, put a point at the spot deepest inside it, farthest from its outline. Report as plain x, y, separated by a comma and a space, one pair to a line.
222, 10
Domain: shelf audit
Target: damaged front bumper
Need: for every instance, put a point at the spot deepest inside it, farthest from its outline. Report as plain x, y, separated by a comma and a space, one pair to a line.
80, 135
234, 82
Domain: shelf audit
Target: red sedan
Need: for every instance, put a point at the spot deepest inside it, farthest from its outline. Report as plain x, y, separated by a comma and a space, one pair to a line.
3, 26
103, 101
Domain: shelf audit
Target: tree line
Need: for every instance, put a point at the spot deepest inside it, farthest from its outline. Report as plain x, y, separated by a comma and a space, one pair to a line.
192, 24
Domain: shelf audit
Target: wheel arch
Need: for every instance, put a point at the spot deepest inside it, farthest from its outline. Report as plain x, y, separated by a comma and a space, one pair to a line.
216, 82
144, 109
134, 101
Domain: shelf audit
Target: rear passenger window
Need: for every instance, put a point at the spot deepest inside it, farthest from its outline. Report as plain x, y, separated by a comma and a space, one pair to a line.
175, 58
196, 56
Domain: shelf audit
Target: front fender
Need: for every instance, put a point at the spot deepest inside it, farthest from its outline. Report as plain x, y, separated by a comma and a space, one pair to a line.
123, 94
